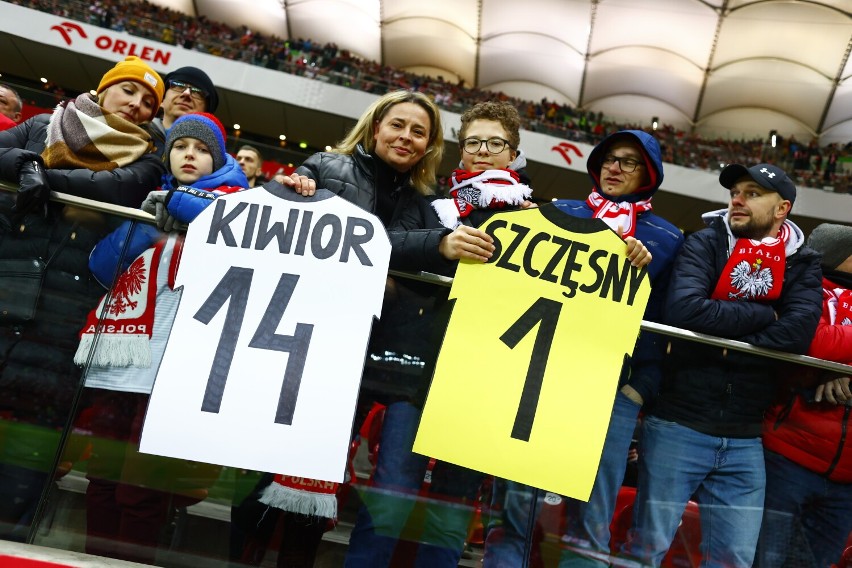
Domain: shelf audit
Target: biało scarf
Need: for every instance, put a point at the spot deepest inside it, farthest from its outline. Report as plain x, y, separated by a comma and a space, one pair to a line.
617, 214
81, 134
755, 269
124, 319
489, 189
839, 305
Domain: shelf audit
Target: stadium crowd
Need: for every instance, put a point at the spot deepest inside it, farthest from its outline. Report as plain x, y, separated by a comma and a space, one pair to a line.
809, 164
757, 448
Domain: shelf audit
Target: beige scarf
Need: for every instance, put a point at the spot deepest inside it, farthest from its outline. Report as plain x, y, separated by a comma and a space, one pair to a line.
81, 134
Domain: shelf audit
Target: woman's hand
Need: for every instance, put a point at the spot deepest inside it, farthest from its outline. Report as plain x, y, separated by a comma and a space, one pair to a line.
300, 184
467, 242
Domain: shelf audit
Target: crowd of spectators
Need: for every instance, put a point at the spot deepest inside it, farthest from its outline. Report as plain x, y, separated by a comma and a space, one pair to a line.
810, 165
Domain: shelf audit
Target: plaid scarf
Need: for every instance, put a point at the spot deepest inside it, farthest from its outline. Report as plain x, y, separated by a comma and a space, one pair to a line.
489, 189
81, 134
617, 214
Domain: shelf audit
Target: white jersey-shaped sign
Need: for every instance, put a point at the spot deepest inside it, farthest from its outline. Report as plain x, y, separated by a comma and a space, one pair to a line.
264, 360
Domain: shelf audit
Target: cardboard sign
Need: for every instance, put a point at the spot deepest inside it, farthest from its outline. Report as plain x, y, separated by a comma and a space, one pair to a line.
265, 356
526, 377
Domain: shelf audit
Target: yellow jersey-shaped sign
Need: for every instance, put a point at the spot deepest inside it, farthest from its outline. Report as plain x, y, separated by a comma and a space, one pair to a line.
526, 377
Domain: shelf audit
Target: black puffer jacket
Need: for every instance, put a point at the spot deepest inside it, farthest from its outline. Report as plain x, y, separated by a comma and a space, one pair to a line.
38, 377
126, 186
370, 184
723, 392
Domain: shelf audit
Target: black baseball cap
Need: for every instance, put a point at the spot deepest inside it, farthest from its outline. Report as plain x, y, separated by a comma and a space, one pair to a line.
767, 176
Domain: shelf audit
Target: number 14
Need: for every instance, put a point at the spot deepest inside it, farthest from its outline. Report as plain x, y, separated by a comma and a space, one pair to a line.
236, 284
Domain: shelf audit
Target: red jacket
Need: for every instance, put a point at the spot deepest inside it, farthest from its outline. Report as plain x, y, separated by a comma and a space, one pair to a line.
816, 435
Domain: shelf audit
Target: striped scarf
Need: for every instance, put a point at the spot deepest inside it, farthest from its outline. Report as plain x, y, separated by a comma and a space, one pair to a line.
489, 189
81, 134
617, 214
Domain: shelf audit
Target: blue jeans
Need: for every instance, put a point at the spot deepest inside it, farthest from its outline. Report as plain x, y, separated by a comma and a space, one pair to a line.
388, 504
588, 524
801, 504
509, 542
725, 475
587, 527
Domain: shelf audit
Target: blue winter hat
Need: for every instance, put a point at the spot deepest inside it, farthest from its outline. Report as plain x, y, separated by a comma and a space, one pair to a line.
201, 126
766, 176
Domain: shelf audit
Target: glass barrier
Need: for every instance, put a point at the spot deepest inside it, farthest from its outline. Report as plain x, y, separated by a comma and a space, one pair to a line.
72, 476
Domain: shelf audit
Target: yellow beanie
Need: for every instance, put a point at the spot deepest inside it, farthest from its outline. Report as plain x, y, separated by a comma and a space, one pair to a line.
134, 69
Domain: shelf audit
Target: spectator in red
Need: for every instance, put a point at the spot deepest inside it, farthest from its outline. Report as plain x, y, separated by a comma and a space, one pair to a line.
807, 448
10, 107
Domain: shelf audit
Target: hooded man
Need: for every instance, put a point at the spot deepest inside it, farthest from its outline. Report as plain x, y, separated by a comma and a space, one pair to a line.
626, 170
807, 449
749, 277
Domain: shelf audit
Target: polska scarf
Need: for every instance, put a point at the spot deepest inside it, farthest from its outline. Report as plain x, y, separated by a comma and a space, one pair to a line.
755, 269
81, 134
489, 189
617, 214
302, 495
124, 319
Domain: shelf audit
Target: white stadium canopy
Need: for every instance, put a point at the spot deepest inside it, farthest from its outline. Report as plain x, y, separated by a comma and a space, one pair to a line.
729, 68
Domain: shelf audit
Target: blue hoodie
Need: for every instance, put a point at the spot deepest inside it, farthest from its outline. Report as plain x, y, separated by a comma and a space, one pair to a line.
182, 204
659, 236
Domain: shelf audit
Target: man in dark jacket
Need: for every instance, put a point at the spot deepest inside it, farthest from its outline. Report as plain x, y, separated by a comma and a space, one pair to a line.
748, 276
626, 170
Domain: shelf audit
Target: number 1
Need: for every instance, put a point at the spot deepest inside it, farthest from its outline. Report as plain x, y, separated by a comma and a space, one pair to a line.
545, 312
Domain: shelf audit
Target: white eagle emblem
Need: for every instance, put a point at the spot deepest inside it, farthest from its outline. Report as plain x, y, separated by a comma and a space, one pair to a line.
751, 280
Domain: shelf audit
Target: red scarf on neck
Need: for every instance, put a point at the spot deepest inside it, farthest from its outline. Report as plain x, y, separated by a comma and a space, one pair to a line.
755, 269
617, 215
839, 305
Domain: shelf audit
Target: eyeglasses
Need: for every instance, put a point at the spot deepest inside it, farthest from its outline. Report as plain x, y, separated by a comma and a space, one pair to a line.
494, 145
196, 93
627, 165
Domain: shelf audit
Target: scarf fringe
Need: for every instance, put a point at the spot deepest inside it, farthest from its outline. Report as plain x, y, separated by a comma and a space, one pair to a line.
115, 350
295, 501
448, 212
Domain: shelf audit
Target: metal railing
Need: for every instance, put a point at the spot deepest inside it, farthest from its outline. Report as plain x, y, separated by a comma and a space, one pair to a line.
139, 215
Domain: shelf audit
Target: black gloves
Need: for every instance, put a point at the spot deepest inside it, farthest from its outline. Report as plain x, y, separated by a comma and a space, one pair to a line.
34, 190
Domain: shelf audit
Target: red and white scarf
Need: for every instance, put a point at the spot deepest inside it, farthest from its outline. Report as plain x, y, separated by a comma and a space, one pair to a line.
489, 189
755, 269
123, 320
302, 495
617, 214
839, 301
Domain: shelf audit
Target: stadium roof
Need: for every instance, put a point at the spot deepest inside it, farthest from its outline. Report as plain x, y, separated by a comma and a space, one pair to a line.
729, 68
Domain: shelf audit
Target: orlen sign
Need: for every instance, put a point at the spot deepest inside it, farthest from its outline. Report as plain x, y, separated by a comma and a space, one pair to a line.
106, 43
